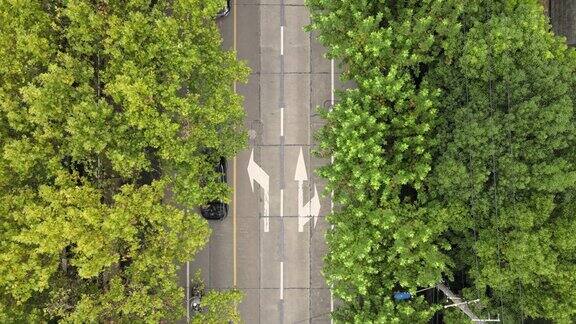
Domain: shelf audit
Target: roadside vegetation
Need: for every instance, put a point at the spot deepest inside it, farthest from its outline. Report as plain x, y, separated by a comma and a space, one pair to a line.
454, 159
113, 115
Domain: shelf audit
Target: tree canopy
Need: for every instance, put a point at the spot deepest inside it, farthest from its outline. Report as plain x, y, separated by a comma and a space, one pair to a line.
506, 158
112, 114
453, 158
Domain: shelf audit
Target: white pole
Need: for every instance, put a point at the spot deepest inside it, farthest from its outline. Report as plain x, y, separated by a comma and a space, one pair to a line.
462, 303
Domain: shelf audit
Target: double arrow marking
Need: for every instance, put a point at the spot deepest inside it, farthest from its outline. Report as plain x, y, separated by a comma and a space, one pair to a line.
305, 211
256, 173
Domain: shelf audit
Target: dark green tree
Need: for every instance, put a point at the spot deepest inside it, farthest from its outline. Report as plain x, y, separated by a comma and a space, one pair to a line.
112, 113
505, 159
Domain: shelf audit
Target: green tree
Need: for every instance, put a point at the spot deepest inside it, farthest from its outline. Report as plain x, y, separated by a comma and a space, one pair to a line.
506, 156
385, 237
217, 306
221, 307
453, 155
113, 112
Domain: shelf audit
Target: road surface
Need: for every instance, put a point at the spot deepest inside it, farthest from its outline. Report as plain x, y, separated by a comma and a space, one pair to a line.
272, 243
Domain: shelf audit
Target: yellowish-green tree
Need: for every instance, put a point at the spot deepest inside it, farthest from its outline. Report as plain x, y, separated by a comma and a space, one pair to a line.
111, 113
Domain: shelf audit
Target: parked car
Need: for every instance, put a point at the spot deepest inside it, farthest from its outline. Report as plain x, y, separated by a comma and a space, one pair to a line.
225, 11
217, 210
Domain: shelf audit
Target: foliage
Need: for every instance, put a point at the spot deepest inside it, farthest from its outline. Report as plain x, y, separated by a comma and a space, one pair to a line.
217, 306
379, 137
452, 155
222, 307
506, 142
112, 112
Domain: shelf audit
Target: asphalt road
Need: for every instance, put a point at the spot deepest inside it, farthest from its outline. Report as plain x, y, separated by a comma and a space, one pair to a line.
270, 246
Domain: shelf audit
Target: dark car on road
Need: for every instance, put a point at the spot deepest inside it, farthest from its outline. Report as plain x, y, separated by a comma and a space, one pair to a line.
217, 210
225, 11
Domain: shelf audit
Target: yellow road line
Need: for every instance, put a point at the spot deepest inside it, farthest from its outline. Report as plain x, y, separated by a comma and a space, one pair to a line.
234, 8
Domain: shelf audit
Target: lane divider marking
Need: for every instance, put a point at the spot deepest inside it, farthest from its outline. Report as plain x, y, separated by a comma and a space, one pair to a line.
281, 203
281, 40
282, 121
281, 280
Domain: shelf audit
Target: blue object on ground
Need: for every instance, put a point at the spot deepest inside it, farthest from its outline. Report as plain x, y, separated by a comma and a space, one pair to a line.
402, 295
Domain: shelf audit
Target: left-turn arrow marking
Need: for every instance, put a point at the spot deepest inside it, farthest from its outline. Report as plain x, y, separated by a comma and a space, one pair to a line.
256, 173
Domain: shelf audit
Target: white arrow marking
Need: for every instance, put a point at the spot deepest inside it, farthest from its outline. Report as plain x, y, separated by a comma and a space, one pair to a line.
312, 208
256, 173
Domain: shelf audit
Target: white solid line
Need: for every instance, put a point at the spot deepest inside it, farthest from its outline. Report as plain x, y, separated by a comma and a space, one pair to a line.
332, 192
266, 224
281, 40
332, 82
281, 202
331, 303
282, 121
281, 280
331, 161
331, 105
